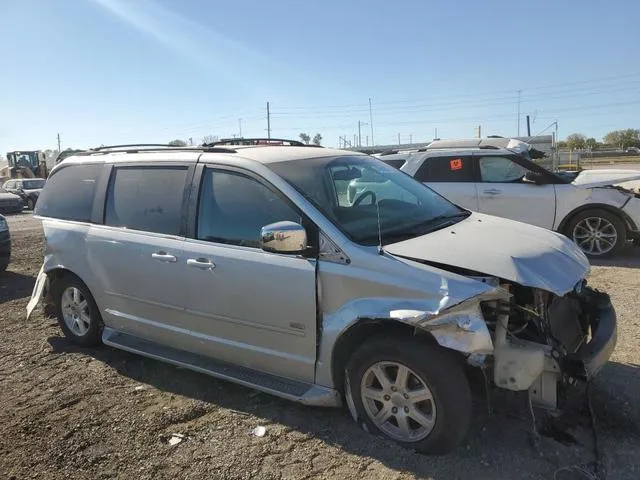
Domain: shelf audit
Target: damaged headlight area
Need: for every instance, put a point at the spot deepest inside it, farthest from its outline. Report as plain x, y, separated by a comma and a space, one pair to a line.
542, 341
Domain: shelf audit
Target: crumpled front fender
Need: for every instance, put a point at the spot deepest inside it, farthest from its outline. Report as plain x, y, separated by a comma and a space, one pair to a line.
460, 327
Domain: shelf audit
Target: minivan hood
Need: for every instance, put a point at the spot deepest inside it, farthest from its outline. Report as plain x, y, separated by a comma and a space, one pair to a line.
602, 178
528, 255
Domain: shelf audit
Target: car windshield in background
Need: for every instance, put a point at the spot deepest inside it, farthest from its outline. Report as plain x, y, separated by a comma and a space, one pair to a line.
32, 184
405, 207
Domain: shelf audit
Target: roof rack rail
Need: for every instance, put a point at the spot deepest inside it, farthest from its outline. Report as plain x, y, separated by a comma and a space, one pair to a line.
259, 142
150, 147
128, 145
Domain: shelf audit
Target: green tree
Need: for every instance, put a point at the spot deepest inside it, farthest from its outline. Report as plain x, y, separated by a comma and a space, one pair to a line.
629, 137
591, 143
177, 143
561, 145
317, 139
576, 141
305, 137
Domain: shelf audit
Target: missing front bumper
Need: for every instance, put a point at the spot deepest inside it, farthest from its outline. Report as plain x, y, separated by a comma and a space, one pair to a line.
591, 357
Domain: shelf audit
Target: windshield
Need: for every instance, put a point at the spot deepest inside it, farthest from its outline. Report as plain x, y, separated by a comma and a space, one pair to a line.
32, 184
405, 207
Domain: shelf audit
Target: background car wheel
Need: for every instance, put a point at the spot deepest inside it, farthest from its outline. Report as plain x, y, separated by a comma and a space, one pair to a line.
30, 203
410, 391
597, 232
77, 312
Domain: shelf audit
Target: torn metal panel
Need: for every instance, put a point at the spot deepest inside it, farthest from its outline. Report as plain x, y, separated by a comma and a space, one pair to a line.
444, 304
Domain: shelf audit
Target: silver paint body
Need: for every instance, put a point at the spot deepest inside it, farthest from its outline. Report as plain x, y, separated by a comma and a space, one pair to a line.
283, 314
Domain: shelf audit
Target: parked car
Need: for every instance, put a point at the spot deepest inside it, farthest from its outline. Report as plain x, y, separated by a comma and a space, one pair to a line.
9, 202
26, 188
5, 244
587, 207
245, 263
635, 150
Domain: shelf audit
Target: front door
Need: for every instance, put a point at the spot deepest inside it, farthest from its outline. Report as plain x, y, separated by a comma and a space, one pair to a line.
503, 192
247, 306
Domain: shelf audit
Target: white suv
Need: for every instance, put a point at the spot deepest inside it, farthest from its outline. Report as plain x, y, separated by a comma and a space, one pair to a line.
246, 262
588, 208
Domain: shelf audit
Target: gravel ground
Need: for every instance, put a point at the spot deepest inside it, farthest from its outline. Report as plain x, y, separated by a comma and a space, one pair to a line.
102, 413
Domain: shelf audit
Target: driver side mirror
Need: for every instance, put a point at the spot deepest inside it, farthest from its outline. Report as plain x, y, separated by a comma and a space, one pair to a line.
283, 237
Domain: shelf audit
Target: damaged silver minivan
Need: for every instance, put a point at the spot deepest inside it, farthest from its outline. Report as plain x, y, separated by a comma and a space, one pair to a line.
245, 260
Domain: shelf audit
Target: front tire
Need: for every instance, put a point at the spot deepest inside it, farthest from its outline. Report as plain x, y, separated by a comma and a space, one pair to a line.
77, 312
31, 204
598, 233
410, 391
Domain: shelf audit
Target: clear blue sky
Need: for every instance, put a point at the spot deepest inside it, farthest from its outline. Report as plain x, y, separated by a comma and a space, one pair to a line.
112, 71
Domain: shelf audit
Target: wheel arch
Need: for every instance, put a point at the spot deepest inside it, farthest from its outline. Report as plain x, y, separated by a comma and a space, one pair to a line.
597, 206
365, 329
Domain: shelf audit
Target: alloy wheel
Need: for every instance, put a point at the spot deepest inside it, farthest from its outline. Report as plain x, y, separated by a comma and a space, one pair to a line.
398, 401
595, 235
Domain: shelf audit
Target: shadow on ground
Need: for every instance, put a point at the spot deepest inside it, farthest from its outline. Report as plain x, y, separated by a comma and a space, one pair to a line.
15, 285
498, 444
629, 257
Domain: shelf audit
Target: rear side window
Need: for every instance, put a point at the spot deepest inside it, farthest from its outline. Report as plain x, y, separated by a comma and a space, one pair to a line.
69, 193
446, 169
146, 198
395, 163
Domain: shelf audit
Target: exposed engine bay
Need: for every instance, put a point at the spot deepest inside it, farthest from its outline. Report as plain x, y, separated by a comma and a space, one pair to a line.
537, 336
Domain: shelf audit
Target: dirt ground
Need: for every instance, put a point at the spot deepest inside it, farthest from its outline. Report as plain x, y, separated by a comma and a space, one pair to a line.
101, 413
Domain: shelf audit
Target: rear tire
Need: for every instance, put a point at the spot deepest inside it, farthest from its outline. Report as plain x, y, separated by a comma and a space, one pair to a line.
599, 233
410, 391
77, 312
31, 204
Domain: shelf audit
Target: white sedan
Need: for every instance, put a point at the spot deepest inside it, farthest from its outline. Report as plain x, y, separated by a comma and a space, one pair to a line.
599, 216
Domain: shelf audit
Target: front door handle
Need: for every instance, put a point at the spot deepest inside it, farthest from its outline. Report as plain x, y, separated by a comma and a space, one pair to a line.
164, 257
492, 191
201, 263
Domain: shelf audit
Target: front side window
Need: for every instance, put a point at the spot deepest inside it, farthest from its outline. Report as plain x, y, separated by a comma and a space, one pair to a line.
69, 193
396, 205
500, 170
446, 169
146, 198
233, 208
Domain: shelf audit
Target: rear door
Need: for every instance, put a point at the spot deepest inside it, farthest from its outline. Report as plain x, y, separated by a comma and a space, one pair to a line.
453, 177
503, 192
247, 306
137, 254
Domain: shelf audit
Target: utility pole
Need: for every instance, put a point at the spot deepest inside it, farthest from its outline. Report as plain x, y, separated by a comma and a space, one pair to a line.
398, 139
528, 127
435, 135
371, 121
359, 133
519, 93
479, 131
355, 139
58, 143
268, 122
240, 125
367, 140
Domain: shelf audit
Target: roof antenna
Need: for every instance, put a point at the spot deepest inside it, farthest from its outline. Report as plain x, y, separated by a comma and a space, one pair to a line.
380, 250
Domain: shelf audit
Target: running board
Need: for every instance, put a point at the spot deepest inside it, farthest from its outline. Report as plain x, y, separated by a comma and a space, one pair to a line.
305, 393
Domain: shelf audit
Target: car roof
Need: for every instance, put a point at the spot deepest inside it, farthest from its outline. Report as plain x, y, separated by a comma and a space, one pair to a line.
259, 153
444, 152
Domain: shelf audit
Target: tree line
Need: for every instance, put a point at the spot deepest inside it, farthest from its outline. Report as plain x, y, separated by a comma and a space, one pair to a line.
623, 139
